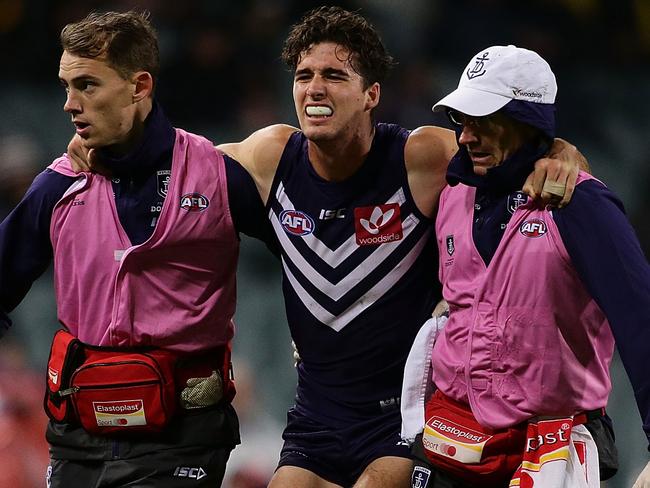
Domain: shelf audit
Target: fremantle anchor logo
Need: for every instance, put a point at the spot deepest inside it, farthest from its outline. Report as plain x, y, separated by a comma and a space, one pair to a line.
162, 180
515, 200
450, 245
420, 477
479, 66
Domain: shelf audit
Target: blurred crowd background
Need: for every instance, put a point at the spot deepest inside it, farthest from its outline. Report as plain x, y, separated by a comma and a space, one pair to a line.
222, 77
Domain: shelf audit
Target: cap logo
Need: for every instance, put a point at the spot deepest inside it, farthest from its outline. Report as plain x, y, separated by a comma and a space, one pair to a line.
526, 94
479, 66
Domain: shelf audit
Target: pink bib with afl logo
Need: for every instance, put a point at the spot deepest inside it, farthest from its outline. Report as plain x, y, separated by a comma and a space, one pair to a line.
174, 291
524, 337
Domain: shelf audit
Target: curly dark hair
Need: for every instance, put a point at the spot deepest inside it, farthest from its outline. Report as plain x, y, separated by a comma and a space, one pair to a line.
127, 39
368, 56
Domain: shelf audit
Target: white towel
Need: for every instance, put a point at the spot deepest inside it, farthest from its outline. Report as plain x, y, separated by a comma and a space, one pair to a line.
417, 374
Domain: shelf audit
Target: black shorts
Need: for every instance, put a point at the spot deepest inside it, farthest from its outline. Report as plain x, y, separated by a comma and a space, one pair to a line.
425, 475
339, 455
193, 449
199, 467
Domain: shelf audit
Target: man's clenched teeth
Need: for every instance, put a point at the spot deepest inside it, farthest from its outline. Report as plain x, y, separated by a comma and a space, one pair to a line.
318, 110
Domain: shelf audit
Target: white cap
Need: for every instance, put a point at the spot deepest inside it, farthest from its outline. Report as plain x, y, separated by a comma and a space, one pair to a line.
497, 75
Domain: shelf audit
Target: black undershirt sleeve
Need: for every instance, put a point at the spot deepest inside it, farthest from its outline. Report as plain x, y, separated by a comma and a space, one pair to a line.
248, 212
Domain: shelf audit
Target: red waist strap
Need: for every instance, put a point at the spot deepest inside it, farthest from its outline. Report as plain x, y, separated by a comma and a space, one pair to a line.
584, 417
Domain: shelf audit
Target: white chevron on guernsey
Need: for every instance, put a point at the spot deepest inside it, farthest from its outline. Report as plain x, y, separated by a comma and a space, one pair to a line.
337, 290
333, 257
338, 322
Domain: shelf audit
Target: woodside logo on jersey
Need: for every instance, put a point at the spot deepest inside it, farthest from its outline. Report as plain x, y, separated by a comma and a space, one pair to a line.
377, 224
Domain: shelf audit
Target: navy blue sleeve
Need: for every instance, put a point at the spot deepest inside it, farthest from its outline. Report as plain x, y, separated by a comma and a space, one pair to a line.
246, 207
25, 246
608, 257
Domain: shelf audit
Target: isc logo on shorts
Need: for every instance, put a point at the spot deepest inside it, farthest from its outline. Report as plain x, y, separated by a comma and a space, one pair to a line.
185, 472
377, 224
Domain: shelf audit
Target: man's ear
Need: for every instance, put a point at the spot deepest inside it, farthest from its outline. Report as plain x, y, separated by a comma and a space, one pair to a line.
372, 96
143, 85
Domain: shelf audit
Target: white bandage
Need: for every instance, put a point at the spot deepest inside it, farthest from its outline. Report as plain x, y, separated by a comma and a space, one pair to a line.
554, 188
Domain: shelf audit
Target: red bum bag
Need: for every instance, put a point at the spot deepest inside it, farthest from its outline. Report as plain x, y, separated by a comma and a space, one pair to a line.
455, 442
114, 391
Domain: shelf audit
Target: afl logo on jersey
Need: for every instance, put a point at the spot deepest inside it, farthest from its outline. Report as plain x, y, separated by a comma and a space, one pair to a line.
296, 222
533, 228
194, 202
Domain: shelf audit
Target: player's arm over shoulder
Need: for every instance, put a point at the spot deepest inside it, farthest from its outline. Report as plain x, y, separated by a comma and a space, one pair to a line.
427, 154
260, 154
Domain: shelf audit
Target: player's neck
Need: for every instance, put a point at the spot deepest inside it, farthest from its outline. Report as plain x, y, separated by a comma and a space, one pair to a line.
134, 137
340, 158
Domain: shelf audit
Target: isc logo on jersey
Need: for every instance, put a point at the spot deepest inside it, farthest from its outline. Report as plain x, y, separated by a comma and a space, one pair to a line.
533, 228
296, 222
194, 202
377, 224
